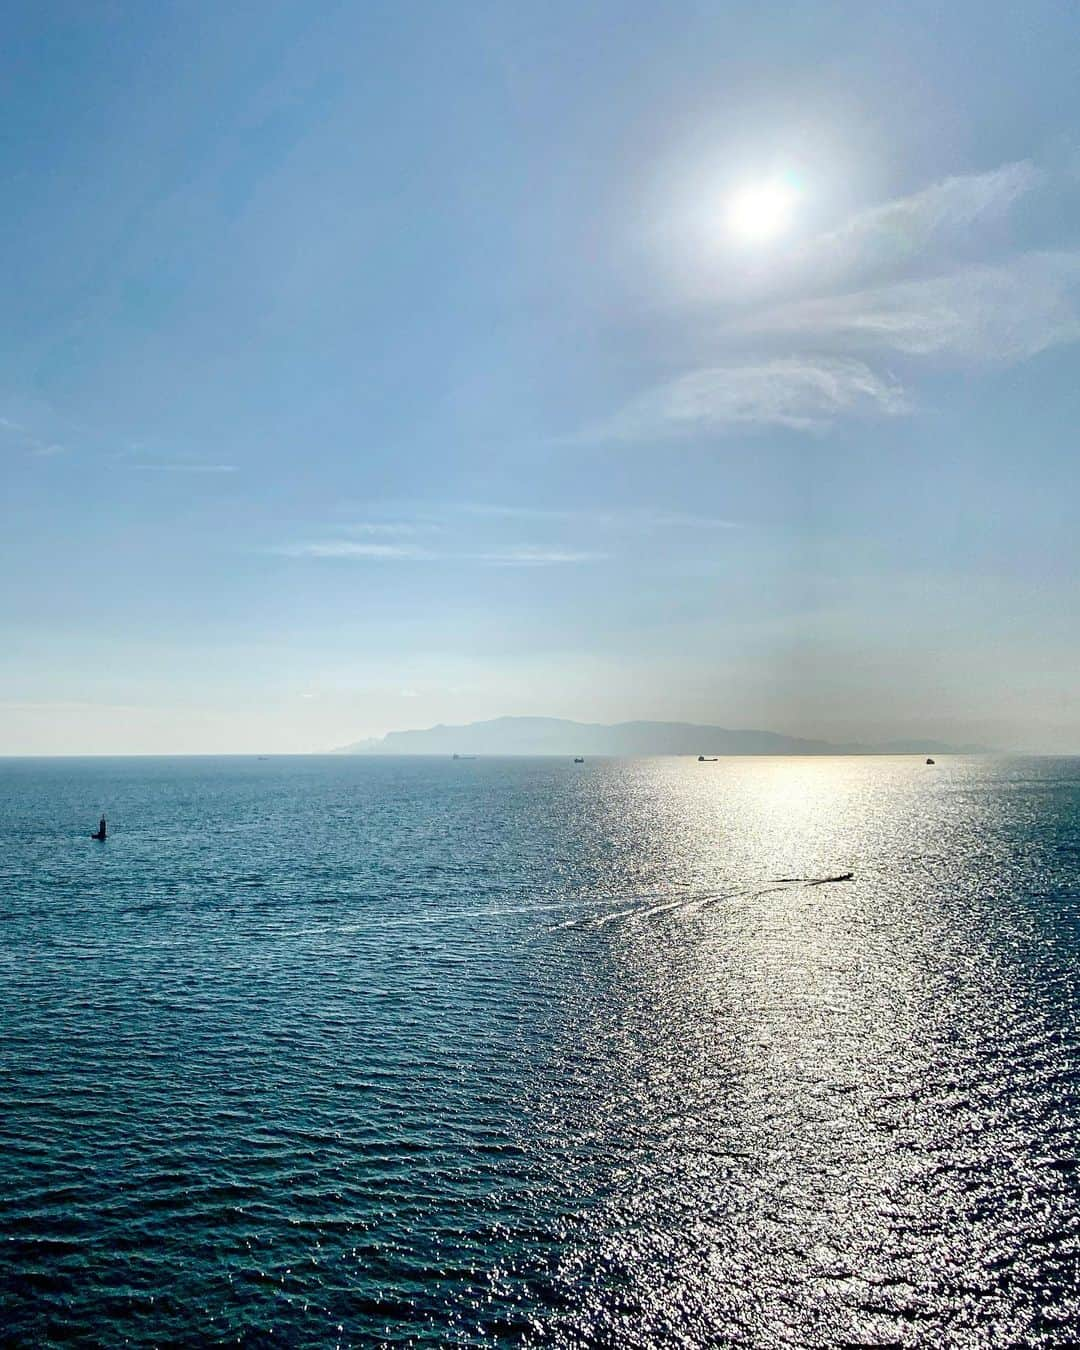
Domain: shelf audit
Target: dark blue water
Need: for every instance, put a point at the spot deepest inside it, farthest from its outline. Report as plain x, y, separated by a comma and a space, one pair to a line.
361, 1052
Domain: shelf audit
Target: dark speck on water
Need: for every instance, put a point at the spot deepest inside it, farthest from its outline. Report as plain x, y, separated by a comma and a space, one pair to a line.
364, 1052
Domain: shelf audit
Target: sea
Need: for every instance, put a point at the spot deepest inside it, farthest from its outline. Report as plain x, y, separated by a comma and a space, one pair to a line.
359, 1051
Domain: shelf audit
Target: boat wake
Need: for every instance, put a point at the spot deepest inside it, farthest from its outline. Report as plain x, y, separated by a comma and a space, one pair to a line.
650, 907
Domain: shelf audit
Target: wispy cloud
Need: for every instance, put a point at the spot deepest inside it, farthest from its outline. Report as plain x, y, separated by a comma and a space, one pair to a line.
184, 467
1002, 313
357, 550
892, 233
537, 557
488, 534
28, 440
928, 300
455, 518
353, 548
514, 511
393, 527
802, 393
609, 518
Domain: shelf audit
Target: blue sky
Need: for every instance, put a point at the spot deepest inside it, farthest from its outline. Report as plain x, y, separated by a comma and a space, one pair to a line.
367, 366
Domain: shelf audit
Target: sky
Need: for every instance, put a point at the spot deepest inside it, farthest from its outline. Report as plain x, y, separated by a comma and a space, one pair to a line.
367, 366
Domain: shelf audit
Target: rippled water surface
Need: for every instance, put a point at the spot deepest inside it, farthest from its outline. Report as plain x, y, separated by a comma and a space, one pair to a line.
363, 1052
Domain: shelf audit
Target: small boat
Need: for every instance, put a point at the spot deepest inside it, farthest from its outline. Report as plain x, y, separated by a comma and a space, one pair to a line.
579, 759
101, 832
464, 756
707, 759
930, 761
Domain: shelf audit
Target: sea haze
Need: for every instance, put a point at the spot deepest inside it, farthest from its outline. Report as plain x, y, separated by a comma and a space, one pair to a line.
559, 736
369, 1051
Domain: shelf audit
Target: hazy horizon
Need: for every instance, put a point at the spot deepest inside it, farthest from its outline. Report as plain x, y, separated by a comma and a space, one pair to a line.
532, 735
137, 731
368, 368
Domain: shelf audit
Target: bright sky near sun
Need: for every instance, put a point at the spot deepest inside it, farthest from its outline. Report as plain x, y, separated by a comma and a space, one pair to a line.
368, 366
760, 211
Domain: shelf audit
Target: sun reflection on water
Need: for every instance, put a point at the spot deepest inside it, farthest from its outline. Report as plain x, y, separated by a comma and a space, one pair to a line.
782, 1070
406, 1054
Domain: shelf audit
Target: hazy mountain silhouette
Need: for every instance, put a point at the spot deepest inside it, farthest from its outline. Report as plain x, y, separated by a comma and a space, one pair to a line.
556, 736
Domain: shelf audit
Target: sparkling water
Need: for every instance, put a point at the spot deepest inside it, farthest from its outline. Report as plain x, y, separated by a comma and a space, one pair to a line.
346, 1051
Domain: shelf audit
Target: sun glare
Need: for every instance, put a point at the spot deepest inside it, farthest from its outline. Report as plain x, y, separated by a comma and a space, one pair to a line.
762, 211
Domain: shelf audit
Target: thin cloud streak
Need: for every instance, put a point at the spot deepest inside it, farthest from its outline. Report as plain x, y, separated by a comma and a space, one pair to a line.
894, 232
537, 557
425, 518
186, 468
799, 393
351, 548
510, 557
626, 518
1003, 313
30, 442
389, 528
460, 523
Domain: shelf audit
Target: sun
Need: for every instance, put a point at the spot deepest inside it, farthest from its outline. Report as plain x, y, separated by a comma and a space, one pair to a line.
761, 211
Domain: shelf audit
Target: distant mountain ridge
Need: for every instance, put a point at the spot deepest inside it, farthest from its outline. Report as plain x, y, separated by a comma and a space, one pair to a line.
558, 736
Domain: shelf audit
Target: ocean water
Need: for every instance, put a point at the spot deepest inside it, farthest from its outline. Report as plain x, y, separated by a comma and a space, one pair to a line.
340, 1051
